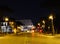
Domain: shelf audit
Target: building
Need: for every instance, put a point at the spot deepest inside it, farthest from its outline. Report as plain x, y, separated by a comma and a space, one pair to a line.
27, 24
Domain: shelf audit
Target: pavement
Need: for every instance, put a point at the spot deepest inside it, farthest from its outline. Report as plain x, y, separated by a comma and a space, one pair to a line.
31, 34
30, 38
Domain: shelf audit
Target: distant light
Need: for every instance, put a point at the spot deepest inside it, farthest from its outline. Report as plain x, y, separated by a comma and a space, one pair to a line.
33, 27
41, 31
19, 27
28, 31
15, 30
43, 26
30, 25
32, 31
6, 19
22, 26
11, 23
43, 21
51, 17
48, 27
39, 24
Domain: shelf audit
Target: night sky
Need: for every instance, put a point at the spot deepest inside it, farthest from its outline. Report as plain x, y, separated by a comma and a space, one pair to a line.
32, 9
26, 9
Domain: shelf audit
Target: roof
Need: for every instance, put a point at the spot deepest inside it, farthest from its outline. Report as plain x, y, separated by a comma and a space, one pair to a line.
26, 21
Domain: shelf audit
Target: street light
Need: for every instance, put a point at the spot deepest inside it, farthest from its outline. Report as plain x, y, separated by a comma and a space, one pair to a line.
11, 23
39, 24
43, 25
51, 18
43, 22
6, 19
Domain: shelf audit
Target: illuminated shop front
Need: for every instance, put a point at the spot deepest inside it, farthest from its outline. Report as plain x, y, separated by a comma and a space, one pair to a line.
5, 27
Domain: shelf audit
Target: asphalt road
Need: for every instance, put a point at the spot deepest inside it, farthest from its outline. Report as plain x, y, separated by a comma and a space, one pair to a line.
28, 38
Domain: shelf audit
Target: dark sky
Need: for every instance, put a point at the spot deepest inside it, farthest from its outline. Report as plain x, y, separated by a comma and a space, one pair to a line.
32, 9
26, 9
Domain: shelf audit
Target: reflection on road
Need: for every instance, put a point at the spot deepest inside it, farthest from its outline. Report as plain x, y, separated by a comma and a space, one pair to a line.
27, 38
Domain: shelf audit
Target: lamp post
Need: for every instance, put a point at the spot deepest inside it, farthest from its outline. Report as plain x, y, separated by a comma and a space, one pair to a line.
43, 25
51, 18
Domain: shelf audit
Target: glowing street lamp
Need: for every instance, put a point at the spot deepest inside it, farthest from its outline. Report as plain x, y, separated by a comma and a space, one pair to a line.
43, 25
38, 24
11, 23
43, 22
51, 18
48, 27
6, 19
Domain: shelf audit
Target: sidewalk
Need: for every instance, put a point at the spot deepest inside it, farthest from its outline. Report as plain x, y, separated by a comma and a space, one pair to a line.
49, 35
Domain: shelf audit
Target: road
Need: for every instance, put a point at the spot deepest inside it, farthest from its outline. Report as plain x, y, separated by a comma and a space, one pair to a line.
29, 39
